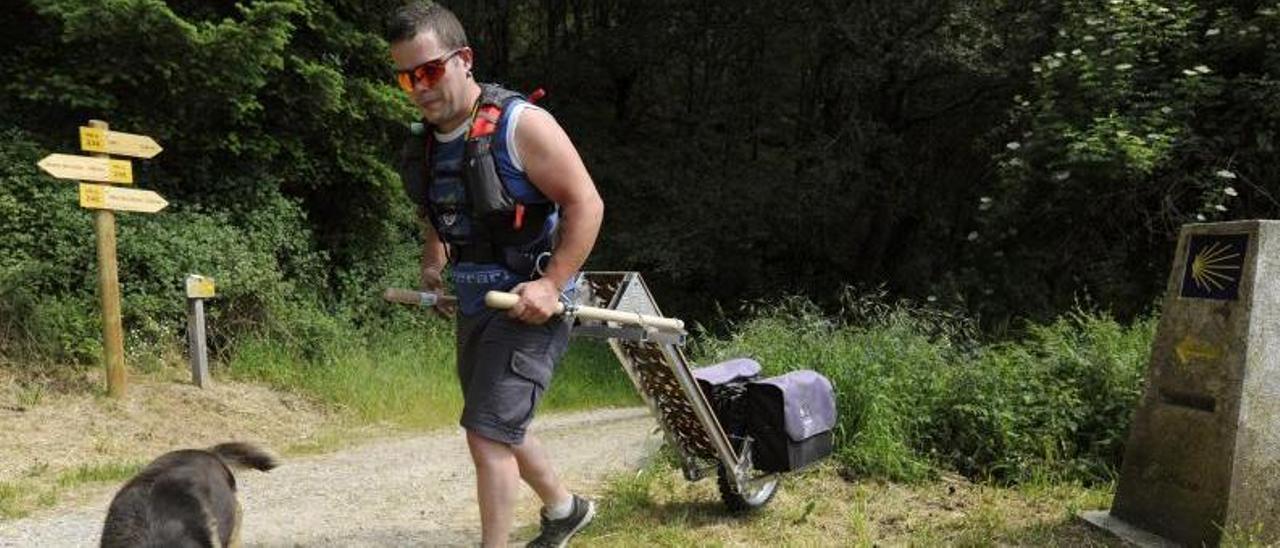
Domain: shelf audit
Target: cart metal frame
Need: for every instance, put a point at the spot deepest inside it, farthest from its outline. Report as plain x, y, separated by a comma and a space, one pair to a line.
655, 362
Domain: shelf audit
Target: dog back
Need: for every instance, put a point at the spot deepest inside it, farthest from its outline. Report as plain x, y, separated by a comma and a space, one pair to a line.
185, 498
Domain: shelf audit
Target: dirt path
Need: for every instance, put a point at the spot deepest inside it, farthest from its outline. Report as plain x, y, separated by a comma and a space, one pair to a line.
415, 491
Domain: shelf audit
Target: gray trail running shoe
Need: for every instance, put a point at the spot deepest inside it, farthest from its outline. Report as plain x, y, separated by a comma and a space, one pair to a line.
556, 533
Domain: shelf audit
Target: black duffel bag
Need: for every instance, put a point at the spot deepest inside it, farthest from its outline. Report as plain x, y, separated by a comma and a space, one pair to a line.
790, 418
725, 386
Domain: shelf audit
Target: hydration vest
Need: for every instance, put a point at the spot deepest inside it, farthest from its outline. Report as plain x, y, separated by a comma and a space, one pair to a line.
487, 222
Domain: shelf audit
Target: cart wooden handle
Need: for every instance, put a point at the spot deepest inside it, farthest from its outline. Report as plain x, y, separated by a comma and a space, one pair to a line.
503, 301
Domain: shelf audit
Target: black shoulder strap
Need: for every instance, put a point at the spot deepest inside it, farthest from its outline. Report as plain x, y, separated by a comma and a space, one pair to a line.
496, 95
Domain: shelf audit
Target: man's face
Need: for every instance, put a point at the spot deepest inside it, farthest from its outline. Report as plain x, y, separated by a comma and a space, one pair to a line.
443, 102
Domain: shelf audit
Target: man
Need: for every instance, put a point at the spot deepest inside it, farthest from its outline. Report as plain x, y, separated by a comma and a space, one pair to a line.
510, 206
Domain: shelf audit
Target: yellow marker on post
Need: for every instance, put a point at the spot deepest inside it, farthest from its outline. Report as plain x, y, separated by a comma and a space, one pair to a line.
199, 287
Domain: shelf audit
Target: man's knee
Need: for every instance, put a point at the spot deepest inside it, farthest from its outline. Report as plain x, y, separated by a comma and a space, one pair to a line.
486, 451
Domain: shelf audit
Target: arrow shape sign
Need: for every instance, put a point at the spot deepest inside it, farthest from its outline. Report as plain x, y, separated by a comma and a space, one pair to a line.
114, 142
67, 166
120, 199
1192, 348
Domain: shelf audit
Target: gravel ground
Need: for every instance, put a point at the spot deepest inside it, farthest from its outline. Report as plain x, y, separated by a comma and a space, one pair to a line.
406, 492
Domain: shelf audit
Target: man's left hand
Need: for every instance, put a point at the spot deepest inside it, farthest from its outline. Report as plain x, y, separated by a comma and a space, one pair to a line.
538, 300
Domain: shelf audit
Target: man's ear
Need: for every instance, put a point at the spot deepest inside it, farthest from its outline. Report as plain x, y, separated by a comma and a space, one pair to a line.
467, 56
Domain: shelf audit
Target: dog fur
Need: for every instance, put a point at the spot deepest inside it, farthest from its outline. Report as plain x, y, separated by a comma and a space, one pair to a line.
183, 499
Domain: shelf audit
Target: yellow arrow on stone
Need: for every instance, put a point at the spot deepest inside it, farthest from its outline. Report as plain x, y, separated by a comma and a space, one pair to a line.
1191, 348
120, 199
114, 142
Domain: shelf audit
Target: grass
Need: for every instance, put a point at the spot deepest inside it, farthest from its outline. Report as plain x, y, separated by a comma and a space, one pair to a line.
407, 377
97, 473
657, 507
917, 393
42, 488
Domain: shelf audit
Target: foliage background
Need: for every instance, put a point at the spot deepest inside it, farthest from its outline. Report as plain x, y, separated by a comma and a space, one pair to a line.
1009, 156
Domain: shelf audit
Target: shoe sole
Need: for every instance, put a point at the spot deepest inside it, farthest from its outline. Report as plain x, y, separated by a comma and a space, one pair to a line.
591, 514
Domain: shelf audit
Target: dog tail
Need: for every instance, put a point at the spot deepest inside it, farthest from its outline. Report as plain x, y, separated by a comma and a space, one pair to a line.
244, 455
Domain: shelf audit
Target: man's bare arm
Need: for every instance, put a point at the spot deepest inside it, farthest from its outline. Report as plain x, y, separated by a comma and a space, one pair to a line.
431, 267
553, 165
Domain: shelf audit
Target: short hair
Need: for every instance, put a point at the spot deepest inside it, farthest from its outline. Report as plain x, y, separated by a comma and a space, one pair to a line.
425, 16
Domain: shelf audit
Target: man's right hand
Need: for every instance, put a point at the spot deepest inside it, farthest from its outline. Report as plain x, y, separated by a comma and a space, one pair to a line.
431, 280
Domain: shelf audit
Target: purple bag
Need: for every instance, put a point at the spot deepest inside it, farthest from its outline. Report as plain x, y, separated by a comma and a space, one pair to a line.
790, 418
738, 370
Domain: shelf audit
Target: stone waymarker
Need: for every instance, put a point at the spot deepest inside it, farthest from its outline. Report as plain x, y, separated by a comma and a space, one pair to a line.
1204, 449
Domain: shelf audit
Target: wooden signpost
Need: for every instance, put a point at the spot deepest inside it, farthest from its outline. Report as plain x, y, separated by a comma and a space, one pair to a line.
103, 200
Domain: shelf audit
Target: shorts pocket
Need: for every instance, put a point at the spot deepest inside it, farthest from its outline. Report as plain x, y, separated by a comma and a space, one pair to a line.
537, 371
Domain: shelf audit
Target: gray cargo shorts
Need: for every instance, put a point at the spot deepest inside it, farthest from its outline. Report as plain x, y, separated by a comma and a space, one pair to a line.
505, 366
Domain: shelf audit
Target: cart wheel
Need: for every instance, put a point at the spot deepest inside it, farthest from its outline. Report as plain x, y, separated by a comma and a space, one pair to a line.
744, 502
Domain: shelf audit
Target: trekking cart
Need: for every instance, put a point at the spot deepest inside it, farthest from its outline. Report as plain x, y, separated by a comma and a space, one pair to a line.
720, 419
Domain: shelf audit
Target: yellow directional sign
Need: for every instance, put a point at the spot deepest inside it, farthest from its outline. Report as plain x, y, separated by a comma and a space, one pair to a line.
1192, 348
115, 142
120, 199
67, 166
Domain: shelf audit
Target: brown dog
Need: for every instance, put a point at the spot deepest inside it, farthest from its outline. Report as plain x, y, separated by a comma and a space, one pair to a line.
183, 499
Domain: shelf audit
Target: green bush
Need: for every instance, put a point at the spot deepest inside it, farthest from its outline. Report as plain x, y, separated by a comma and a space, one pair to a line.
916, 392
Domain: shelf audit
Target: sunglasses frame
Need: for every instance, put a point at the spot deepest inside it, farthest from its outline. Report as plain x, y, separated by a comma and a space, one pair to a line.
409, 78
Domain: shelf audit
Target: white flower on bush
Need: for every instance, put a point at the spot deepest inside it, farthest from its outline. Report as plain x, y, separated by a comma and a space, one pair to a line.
1202, 69
1212, 32
1166, 110
1200, 217
1061, 175
1230, 191
1225, 174
1077, 51
1124, 66
1189, 72
973, 236
1013, 145
1220, 207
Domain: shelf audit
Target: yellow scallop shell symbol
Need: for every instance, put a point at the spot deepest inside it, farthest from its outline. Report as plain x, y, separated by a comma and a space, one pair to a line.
1210, 269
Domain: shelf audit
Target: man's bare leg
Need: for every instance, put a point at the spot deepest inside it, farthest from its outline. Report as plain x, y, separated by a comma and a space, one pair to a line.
497, 481
536, 470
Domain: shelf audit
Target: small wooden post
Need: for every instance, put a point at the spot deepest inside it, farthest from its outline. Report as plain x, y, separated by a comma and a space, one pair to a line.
198, 289
104, 228
195, 332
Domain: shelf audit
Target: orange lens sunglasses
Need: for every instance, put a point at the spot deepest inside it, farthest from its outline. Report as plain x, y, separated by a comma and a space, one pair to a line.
429, 73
